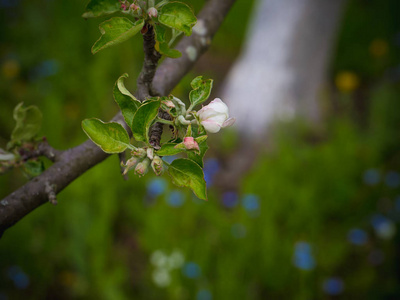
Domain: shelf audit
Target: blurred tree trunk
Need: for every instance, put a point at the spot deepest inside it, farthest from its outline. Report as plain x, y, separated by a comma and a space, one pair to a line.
284, 62
280, 71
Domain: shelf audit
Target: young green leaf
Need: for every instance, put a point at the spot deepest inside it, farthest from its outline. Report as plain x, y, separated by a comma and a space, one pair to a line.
179, 16
125, 100
164, 49
110, 137
185, 172
143, 119
160, 33
201, 90
96, 8
29, 122
115, 31
33, 168
169, 149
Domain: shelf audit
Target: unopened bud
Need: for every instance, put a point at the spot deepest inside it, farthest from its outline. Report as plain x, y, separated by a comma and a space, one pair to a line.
143, 167
150, 153
190, 143
139, 152
131, 163
157, 165
153, 13
134, 7
124, 7
168, 103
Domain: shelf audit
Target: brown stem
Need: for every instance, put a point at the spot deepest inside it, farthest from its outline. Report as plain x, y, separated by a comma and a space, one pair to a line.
73, 162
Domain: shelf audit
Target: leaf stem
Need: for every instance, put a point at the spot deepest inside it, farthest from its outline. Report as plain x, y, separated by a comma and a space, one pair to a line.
130, 146
175, 34
164, 121
162, 3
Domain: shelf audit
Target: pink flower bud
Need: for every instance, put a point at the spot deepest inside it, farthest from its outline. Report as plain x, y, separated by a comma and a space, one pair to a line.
134, 7
124, 7
157, 165
153, 13
190, 143
142, 168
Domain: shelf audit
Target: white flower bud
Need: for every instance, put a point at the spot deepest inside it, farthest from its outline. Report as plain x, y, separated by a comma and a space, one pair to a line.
131, 163
157, 165
139, 152
142, 167
215, 116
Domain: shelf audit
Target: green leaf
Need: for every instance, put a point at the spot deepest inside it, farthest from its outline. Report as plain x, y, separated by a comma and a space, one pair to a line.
143, 119
125, 100
201, 90
164, 49
160, 33
96, 8
198, 158
196, 83
110, 137
168, 149
115, 31
33, 168
29, 122
185, 172
178, 16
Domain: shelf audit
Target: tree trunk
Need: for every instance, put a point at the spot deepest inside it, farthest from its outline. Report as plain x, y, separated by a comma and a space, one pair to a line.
283, 64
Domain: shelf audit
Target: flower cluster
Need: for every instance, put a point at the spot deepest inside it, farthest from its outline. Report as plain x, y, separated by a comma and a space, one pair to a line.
141, 159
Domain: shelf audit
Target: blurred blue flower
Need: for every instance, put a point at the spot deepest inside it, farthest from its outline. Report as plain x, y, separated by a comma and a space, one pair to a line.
371, 177
170, 159
384, 227
230, 199
20, 279
191, 270
8, 3
45, 69
357, 236
156, 187
333, 286
251, 202
377, 220
376, 257
238, 231
392, 179
211, 167
175, 198
204, 295
303, 258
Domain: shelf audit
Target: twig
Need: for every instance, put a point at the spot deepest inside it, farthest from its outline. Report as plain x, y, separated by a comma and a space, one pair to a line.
50, 191
73, 162
43, 149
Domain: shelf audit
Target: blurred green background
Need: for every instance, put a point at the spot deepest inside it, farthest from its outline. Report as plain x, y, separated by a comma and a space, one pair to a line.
316, 218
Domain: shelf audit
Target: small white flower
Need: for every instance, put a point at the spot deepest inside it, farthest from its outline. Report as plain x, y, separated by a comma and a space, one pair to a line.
215, 116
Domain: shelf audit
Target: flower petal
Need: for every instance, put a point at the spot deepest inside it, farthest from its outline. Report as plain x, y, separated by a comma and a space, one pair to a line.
211, 126
228, 122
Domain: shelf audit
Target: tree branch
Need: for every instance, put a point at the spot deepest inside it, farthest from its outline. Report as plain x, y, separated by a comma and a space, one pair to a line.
151, 58
73, 162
